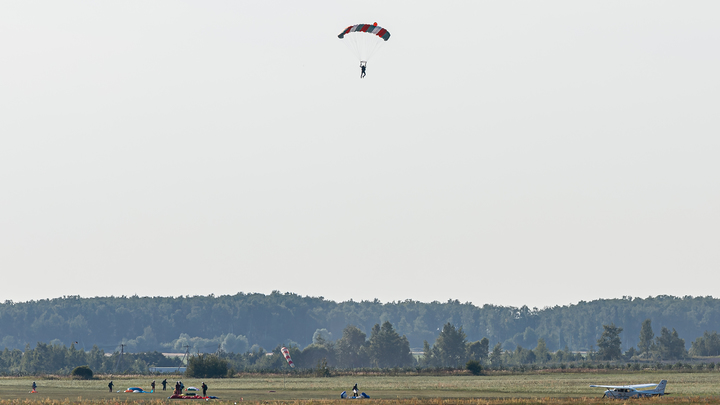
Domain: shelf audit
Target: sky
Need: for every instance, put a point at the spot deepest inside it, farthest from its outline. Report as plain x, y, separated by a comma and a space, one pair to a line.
498, 152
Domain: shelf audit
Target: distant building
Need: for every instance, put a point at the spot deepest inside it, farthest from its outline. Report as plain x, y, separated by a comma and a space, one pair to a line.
169, 370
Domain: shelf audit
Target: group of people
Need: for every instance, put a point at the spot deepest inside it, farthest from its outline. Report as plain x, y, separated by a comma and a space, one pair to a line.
179, 386
152, 385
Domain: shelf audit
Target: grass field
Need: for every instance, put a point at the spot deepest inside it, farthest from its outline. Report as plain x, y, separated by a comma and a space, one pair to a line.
555, 388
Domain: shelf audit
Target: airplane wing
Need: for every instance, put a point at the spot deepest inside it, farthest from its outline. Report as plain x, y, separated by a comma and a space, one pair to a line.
636, 386
642, 386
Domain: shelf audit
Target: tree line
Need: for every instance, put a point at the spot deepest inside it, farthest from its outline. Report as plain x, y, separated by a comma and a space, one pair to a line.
247, 322
384, 348
59, 359
666, 346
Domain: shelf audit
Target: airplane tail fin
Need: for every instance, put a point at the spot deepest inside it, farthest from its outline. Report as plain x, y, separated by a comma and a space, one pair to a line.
661, 387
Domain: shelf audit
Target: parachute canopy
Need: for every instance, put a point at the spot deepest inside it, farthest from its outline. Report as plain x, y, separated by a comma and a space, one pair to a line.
364, 39
369, 28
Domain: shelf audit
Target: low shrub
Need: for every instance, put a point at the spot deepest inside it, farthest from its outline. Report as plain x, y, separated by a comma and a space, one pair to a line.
82, 373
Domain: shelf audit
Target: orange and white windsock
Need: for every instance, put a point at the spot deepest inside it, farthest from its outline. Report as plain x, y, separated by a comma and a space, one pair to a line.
286, 353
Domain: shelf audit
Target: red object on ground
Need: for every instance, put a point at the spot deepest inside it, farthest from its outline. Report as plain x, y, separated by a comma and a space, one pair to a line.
175, 396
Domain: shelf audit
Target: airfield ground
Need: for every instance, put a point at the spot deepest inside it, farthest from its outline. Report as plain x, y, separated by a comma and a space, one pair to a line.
551, 388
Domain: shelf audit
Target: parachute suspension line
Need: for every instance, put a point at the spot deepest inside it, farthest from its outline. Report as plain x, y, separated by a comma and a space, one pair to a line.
374, 46
364, 40
365, 43
353, 43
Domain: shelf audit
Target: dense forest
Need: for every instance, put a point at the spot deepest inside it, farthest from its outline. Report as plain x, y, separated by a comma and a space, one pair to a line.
246, 322
384, 350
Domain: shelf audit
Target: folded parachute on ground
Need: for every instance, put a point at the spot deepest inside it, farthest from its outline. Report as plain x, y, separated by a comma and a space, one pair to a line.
344, 395
176, 396
137, 389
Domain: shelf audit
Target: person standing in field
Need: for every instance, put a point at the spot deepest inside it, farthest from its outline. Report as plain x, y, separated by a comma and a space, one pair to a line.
110, 385
34, 386
164, 383
152, 385
178, 391
204, 388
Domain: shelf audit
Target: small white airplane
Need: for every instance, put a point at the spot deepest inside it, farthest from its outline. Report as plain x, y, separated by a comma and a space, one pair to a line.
633, 391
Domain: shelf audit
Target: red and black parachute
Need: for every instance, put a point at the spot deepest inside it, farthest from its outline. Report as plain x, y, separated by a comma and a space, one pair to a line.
369, 28
364, 39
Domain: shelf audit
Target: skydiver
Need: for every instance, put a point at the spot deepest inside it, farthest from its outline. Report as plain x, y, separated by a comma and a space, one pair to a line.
362, 69
164, 383
110, 385
355, 390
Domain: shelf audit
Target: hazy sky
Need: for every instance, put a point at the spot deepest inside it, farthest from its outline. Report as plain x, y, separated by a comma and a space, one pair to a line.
504, 152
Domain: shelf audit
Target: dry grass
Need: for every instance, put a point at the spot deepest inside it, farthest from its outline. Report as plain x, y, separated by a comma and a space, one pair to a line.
408, 401
547, 388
